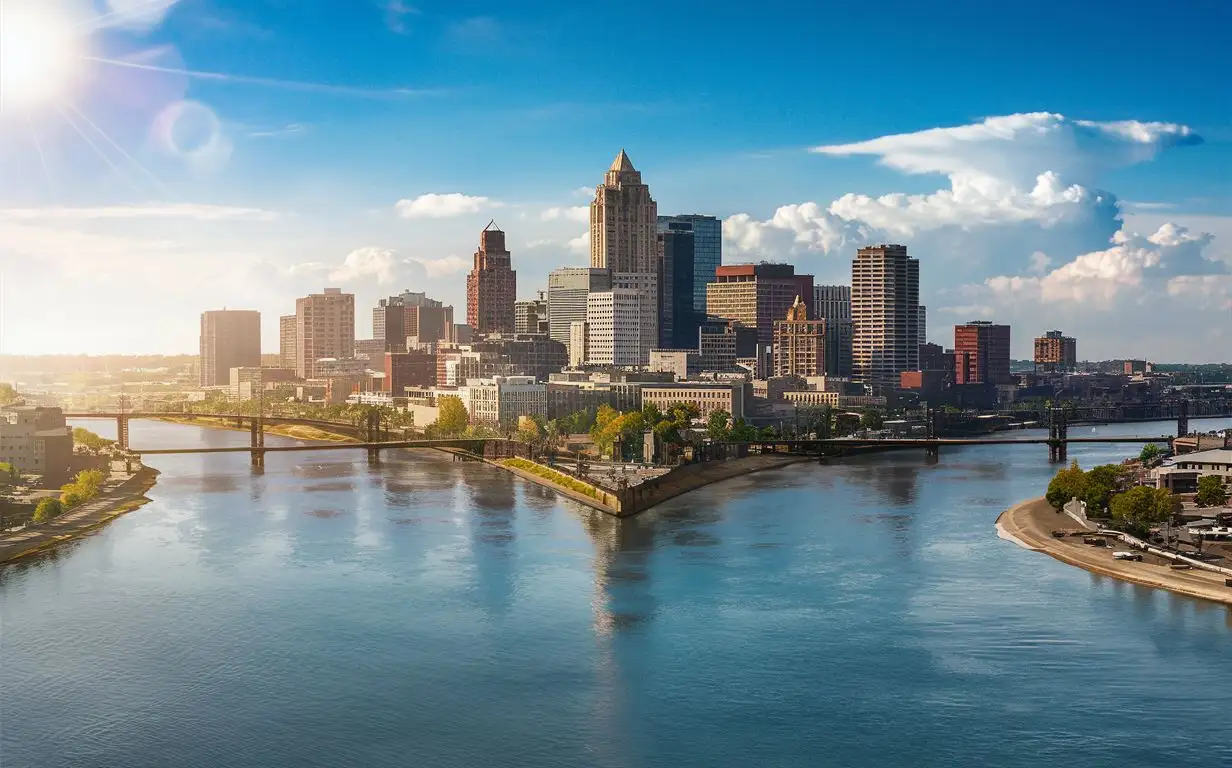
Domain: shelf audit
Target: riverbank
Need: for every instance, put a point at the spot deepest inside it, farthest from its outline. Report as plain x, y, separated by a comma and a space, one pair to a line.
1030, 525
122, 499
296, 431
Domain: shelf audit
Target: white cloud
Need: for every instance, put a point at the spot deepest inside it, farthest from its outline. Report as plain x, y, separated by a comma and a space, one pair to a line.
580, 244
380, 263
1210, 291
443, 206
138, 15
570, 213
448, 265
199, 212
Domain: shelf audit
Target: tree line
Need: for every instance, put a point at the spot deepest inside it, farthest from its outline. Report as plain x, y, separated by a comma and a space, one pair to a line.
1104, 489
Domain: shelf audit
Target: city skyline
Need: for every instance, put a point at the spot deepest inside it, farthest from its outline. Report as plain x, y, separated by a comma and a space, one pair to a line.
246, 180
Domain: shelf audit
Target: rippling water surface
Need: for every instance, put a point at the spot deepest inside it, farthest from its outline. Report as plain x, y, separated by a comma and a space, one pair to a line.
422, 612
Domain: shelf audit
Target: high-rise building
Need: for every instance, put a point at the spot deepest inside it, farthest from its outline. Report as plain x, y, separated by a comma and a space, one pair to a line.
937, 359
568, 288
832, 303
286, 341
492, 285
721, 342
679, 317
531, 316
230, 338
707, 250
411, 315
324, 328
614, 327
623, 221
981, 353
756, 295
408, 369
1056, 352
577, 343
885, 309
646, 284
800, 343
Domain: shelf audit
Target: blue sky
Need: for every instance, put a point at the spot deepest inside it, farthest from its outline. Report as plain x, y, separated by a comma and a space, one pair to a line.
261, 149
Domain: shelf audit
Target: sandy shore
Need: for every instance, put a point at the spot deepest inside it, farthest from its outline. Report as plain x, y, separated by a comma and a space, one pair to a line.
1030, 524
111, 504
297, 431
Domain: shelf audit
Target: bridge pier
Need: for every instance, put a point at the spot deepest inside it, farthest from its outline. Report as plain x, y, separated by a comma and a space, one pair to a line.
932, 452
122, 431
1182, 418
256, 440
1058, 432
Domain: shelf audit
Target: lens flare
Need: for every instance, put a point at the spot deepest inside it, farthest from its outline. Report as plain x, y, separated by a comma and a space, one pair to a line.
38, 57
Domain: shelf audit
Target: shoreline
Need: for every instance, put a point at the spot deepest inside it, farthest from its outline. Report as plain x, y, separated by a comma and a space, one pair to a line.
294, 431
1029, 524
72, 525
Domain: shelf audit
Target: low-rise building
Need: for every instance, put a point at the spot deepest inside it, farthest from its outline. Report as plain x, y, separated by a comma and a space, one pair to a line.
501, 400
408, 369
37, 441
707, 397
683, 363
1180, 474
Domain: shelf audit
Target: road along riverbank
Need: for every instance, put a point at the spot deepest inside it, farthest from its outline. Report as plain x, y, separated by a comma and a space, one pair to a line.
297, 431
1030, 524
110, 504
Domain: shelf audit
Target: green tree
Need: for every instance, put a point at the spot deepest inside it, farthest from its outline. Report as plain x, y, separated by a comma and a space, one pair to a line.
529, 431
87, 439
8, 475
742, 432
1211, 492
872, 419
71, 497
1069, 483
1150, 452
551, 432
1098, 486
717, 428
8, 395
1142, 507
47, 509
453, 418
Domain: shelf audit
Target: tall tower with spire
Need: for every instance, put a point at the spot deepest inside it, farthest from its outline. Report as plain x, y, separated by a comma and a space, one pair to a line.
623, 221
492, 285
624, 239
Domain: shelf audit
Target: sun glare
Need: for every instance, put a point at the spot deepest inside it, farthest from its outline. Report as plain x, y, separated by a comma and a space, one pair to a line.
37, 58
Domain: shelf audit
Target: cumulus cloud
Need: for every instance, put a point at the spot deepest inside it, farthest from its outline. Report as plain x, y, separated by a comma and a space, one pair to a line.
448, 265
443, 206
580, 244
1096, 278
570, 213
361, 263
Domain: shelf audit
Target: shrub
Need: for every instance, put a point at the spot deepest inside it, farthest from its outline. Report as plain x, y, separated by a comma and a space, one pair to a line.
572, 483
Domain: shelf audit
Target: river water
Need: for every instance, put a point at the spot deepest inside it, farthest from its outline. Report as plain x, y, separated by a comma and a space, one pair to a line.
428, 613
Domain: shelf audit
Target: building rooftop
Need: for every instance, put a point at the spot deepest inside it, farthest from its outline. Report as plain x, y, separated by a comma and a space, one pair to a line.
1213, 456
622, 163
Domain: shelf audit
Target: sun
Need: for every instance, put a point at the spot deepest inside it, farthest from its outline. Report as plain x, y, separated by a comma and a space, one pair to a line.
37, 57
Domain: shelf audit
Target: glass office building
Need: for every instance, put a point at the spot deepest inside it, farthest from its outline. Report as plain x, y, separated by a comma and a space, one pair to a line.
707, 250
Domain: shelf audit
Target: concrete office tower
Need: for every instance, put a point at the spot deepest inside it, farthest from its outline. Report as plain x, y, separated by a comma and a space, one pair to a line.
286, 342
982, 353
531, 316
568, 288
800, 343
577, 343
832, 303
613, 328
1056, 353
646, 284
325, 327
230, 338
885, 309
756, 295
623, 221
491, 286
707, 250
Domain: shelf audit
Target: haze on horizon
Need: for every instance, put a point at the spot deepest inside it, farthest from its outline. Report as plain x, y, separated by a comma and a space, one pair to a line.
159, 157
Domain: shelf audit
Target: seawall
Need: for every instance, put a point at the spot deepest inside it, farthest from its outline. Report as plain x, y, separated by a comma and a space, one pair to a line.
1030, 525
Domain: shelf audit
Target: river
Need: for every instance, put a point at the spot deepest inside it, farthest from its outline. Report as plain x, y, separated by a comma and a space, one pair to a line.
428, 613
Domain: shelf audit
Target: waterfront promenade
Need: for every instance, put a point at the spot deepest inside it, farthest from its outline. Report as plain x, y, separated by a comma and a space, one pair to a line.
1030, 524
111, 503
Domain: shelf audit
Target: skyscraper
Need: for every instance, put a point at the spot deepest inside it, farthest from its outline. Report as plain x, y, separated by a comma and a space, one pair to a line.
885, 308
623, 238
492, 285
408, 315
324, 327
1055, 352
756, 295
679, 317
800, 343
614, 327
230, 338
832, 303
981, 353
531, 316
286, 342
707, 250
567, 291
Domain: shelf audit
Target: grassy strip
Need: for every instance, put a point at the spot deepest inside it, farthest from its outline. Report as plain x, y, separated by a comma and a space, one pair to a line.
297, 431
572, 483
